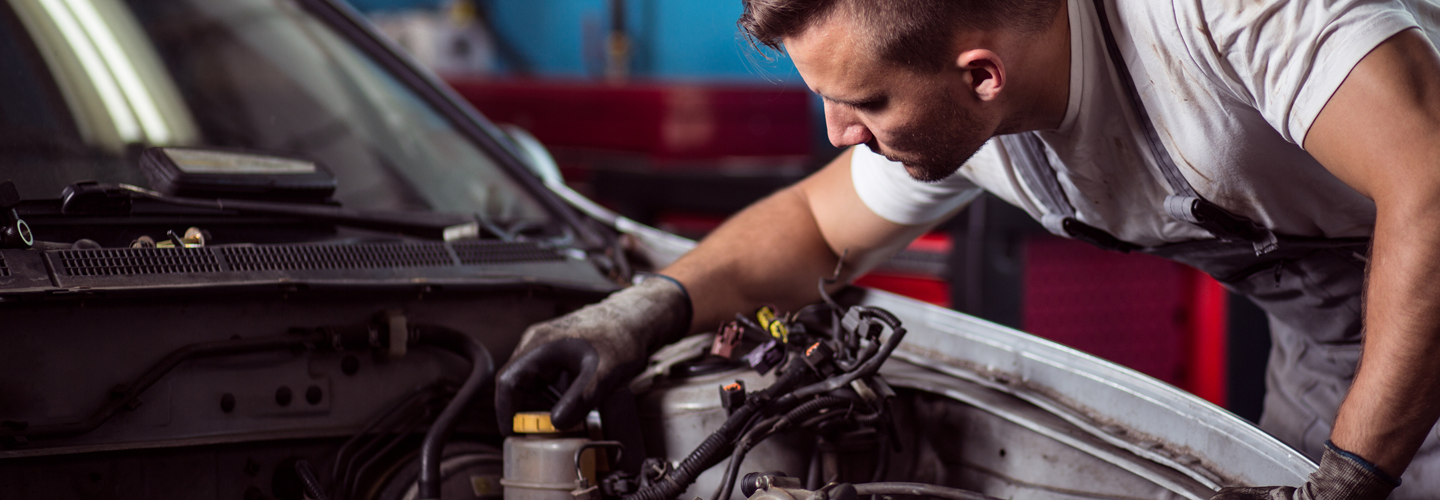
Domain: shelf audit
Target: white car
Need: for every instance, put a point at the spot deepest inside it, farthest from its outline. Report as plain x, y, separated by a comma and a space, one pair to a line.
250, 250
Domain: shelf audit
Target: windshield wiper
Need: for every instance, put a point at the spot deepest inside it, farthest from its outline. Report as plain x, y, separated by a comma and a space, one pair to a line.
93, 198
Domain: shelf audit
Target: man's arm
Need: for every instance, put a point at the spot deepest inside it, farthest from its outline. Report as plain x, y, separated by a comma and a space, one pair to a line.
775, 251
1380, 133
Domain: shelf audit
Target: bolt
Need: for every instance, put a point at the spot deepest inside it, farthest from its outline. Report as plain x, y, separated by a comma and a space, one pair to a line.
313, 395
227, 402
283, 395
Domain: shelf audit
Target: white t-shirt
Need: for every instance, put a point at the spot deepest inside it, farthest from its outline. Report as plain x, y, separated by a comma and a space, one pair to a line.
1232, 87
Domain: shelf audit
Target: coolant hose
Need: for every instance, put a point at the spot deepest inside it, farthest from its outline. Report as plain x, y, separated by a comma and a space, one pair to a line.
481, 369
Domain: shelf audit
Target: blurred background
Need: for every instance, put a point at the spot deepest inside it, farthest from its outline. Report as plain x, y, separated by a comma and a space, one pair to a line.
660, 110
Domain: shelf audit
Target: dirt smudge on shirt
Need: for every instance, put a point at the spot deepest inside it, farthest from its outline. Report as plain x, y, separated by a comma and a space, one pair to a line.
1174, 145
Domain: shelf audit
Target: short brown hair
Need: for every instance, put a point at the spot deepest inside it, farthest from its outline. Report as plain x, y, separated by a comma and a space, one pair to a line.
915, 33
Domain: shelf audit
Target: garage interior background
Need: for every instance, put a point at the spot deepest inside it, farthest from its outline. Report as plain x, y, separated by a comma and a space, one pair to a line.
662, 111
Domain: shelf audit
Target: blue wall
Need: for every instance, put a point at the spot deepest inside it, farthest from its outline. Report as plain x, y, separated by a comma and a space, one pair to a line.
670, 39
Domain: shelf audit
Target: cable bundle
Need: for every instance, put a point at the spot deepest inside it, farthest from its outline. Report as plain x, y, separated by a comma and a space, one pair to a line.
826, 376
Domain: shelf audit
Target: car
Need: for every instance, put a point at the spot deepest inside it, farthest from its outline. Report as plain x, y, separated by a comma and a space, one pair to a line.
251, 250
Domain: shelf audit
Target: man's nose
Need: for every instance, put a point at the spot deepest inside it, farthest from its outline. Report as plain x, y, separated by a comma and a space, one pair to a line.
844, 127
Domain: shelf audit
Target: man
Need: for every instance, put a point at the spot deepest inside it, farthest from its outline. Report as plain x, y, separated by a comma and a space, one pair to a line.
1289, 148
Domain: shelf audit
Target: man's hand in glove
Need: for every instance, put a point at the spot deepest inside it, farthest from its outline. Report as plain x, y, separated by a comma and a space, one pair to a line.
1342, 476
599, 347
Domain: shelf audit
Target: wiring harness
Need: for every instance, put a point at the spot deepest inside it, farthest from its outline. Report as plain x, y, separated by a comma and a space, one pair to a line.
828, 357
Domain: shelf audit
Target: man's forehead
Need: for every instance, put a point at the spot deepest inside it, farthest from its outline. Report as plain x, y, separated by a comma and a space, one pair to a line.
832, 61
832, 36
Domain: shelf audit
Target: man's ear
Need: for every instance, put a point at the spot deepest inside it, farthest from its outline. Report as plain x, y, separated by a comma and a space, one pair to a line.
984, 73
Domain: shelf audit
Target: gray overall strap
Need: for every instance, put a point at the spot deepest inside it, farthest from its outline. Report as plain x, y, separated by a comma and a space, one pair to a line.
1183, 203
1027, 154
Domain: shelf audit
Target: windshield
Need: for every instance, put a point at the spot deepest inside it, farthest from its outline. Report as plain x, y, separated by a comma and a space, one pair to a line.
88, 84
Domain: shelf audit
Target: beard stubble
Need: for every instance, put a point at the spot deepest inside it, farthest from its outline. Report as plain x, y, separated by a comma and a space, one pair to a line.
936, 145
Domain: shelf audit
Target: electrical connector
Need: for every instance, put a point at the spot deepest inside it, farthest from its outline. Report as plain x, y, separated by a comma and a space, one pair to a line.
766, 356
818, 357
732, 396
726, 339
772, 324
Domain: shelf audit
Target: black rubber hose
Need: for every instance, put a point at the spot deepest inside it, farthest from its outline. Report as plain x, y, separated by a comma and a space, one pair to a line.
307, 477
405, 424
918, 490
157, 371
482, 368
375, 424
356, 480
707, 454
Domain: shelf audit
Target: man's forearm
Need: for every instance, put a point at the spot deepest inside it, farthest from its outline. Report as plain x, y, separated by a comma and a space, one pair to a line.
1395, 398
1378, 134
770, 253
776, 251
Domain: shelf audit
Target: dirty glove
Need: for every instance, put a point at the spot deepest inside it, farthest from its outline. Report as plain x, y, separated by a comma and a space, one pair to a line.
598, 347
1342, 476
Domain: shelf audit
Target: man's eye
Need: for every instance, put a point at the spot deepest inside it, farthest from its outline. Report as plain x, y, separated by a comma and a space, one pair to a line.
870, 105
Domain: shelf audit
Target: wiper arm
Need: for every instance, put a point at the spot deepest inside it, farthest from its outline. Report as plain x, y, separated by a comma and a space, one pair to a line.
92, 198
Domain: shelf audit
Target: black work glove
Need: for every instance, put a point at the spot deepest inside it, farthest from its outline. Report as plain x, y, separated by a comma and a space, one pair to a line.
1342, 476
599, 347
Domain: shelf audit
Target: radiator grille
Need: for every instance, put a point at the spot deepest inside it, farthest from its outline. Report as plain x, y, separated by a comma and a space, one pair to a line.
133, 261
141, 261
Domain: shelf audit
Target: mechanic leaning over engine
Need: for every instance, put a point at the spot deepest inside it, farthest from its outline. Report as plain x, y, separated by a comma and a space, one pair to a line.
1291, 149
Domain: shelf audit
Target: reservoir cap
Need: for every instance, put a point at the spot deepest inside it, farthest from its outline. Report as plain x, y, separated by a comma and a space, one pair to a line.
534, 422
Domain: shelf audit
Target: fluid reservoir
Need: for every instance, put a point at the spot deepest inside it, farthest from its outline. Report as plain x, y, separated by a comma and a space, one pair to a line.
684, 408
540, 462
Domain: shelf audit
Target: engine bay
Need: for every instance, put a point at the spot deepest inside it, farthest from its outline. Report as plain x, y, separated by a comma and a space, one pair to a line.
271, 401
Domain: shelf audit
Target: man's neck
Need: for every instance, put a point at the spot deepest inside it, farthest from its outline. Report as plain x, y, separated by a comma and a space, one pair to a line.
1040, 77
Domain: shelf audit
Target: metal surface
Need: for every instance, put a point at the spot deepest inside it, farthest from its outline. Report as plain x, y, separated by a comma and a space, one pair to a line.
1004, 446
1115, 404
677, 415
541, 467
64, 356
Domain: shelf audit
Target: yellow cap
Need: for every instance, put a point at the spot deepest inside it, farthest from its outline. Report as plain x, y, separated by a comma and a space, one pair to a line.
533, 422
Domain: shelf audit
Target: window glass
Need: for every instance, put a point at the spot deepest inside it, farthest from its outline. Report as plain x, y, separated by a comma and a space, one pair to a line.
90, 83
